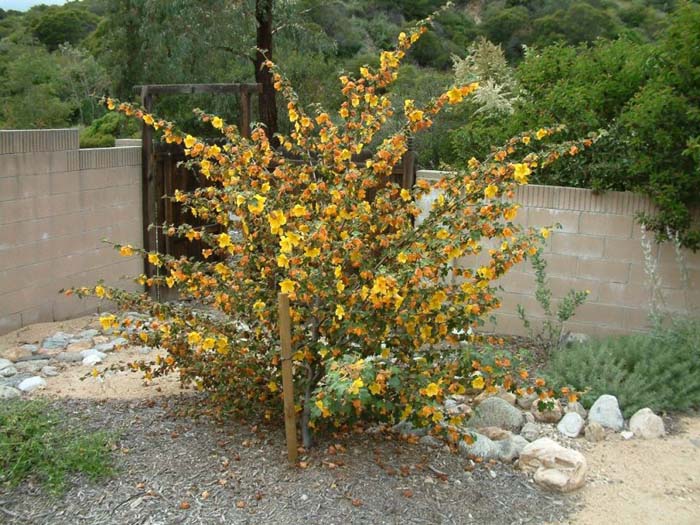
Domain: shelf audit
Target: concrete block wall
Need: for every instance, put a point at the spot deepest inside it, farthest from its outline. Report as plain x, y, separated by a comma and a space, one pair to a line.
599, 249
57, 203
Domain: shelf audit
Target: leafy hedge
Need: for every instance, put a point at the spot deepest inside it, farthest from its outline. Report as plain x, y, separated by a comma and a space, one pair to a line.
660, 370
647, 98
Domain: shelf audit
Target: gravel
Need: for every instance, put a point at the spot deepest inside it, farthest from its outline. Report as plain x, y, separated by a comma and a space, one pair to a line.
176, 467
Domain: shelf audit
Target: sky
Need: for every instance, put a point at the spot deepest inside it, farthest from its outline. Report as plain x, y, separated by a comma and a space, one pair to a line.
23, 5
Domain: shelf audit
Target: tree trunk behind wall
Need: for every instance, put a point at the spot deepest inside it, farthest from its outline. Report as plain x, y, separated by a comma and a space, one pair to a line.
267, 105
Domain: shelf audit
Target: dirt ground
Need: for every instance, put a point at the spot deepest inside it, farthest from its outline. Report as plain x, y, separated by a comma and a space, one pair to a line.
171, 458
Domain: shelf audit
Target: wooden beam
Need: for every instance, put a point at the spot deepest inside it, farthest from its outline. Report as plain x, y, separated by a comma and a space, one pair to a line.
290, 425
245, 110
188, 89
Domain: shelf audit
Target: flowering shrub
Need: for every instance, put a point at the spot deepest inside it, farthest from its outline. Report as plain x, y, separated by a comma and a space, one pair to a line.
375, 302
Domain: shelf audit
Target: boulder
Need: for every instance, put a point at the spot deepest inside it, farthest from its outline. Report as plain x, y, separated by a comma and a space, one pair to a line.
16, 354
494, 433
88, 334
32, 383
482, 447
14, 380
526, 401
497, 412
647, 425
8, 392
576, 407
571, 425
79, 346
606, 412
503, 394
510, 449
594, 432
69, 357
59, 340
49, 371
8, 371
31, 367
556, 467
5, 363
530, 431
547, 415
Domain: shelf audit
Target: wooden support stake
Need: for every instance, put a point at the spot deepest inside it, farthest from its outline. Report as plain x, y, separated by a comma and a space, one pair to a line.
290, 425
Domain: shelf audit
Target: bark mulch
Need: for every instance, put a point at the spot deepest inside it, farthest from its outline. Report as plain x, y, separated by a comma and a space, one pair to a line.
177, 469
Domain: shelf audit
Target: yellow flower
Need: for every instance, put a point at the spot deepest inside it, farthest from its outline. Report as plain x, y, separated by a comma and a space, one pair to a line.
154, 259
110, 104
312, 253
355, 387
541, 133
209, 343
376, 388
217, 123
490, 191
405, 195
510, 213
299, 210
282, 260
287, 286
224, 240
148, 119
126, 251
431, 390
193, 338
442, 234
107, 321
99, 291
324, 411
258, 305
340, 286
258, 206
339, 312
190, 141
265, 187
272, 386
402, 258
478, 382
544, 232
454, 95
277, 219
521, 172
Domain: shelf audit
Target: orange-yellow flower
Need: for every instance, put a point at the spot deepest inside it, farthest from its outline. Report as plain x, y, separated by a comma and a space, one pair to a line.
288, 286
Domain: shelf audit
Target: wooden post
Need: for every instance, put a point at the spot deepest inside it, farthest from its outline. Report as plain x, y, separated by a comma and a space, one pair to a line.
147, 179
290, 425
245, 110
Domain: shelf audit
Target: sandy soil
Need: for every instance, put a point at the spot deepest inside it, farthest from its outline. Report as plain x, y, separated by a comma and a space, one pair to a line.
644, 481
629, 482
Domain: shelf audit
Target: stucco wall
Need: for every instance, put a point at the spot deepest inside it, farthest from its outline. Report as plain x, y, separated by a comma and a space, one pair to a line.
599, 249
57, 203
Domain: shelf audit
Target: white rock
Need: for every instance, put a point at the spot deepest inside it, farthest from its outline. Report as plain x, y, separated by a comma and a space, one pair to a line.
556, 467
32, 383
92, 360
647, 425
7, 392
606, 412
92, 351
482, 447
626, 434
571, 425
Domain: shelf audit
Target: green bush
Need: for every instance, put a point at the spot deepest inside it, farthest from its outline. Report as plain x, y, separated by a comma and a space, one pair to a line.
659, 370
103, 131
36, 441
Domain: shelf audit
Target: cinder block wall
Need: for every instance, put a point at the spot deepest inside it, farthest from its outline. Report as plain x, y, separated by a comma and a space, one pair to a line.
598, 249
57, 203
